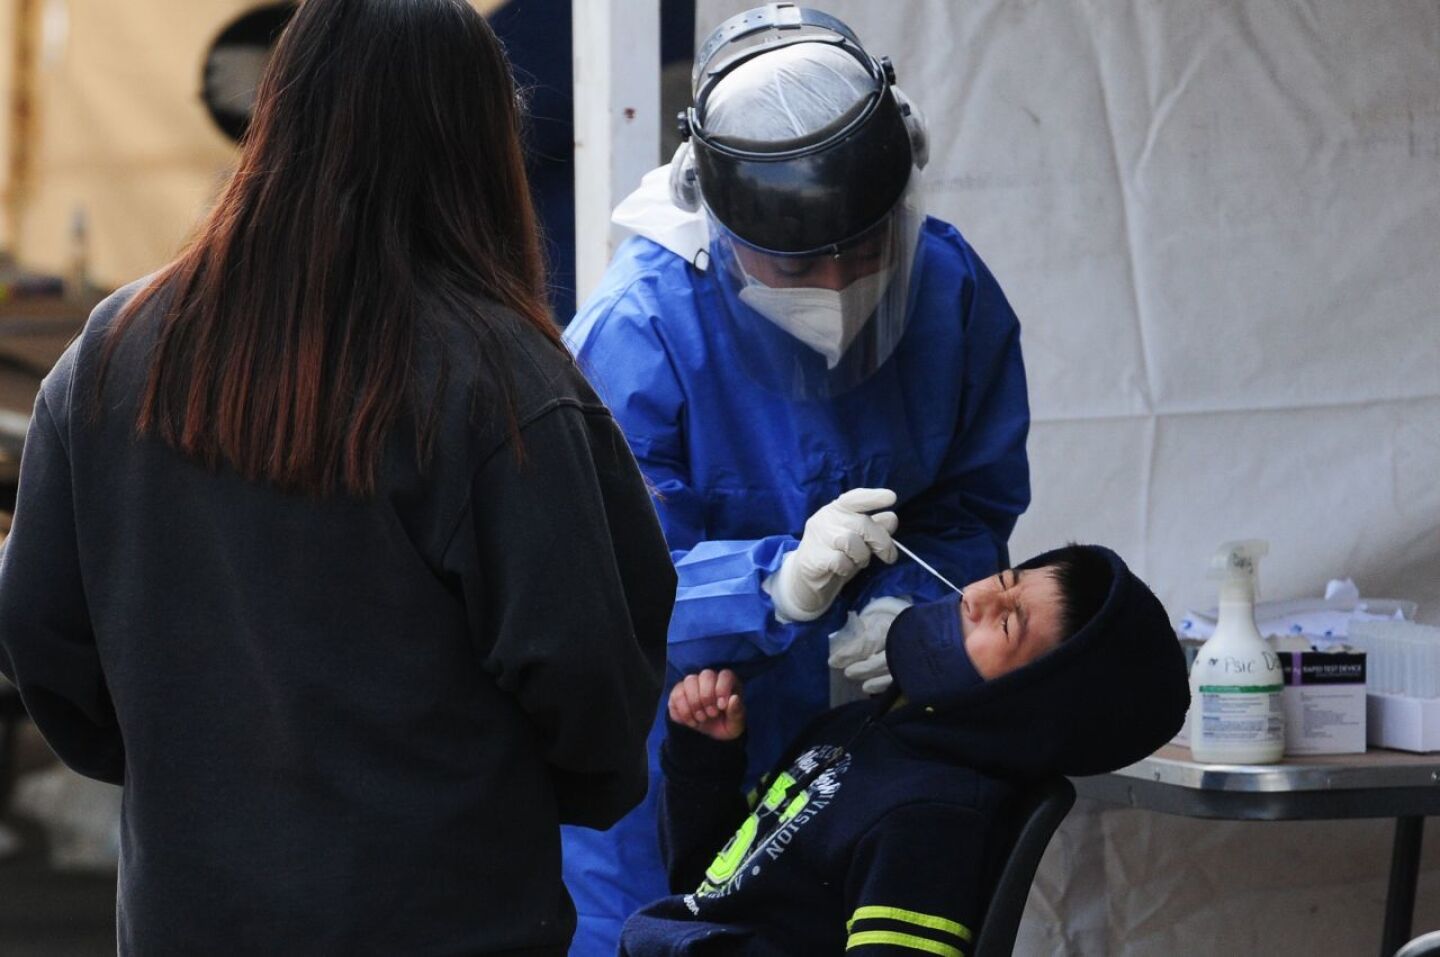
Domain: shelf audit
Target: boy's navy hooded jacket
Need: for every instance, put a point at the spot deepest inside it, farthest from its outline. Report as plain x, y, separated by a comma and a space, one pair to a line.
884, 830
343, 726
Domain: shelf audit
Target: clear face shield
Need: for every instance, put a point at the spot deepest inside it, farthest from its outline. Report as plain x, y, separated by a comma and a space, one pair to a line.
806, 159
815, 325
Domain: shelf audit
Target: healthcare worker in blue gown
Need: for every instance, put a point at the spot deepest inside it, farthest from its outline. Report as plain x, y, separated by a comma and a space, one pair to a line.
802, 362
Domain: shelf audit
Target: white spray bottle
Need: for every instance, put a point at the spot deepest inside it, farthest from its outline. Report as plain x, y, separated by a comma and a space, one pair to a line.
1236, 715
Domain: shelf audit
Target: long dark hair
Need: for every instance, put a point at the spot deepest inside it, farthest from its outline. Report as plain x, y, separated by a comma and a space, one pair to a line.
383, 169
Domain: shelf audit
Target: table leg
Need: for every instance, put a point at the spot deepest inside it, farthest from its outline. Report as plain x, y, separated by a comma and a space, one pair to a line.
1404, 873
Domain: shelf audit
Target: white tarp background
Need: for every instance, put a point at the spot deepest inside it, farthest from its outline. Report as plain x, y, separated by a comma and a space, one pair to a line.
1220, 226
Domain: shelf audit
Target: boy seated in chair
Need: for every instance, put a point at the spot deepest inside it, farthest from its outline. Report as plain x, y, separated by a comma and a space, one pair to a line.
884, 827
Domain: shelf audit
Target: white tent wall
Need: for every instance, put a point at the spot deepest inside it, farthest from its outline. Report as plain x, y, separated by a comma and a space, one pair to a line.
1220, 226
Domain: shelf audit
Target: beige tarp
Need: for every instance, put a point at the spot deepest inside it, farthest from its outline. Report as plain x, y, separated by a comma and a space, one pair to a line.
7, 77
120, 132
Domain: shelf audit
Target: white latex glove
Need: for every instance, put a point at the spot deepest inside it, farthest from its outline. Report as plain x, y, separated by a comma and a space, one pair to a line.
864, 633
839, 541
858, 649
872, 674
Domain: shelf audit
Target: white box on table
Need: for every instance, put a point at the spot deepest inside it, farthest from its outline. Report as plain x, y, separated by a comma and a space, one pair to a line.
1398, 721
1324, 702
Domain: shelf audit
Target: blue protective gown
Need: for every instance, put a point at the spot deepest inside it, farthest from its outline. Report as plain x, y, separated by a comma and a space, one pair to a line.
738, 469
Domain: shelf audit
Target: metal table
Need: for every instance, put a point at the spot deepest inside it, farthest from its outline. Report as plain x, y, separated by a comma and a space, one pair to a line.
1376, 784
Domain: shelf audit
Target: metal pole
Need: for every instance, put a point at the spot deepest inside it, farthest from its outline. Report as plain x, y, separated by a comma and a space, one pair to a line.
617, 120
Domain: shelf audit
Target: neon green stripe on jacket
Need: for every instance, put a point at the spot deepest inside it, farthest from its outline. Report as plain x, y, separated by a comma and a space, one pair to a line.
894, 939
874, 912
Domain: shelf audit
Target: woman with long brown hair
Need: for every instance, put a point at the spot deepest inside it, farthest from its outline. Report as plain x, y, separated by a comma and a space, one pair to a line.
325, 550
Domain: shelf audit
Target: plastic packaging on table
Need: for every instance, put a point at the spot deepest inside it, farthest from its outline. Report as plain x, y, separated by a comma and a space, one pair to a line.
1403, 657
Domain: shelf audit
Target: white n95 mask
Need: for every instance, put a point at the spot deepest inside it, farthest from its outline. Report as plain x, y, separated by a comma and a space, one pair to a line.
826, 320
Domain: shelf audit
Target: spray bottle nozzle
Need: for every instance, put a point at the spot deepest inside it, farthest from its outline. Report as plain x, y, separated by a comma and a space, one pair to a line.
1238, 563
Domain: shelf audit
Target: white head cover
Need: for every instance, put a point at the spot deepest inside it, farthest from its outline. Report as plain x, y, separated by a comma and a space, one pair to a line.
787, 93
650, 212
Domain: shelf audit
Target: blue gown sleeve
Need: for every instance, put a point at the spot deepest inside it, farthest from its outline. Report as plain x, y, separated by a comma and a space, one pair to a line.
961, 523
722, 617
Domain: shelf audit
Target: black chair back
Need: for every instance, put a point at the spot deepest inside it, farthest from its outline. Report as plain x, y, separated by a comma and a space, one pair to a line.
1041, 810
1426, 945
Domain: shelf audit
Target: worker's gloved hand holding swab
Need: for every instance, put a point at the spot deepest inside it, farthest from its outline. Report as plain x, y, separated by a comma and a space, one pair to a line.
839, 541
